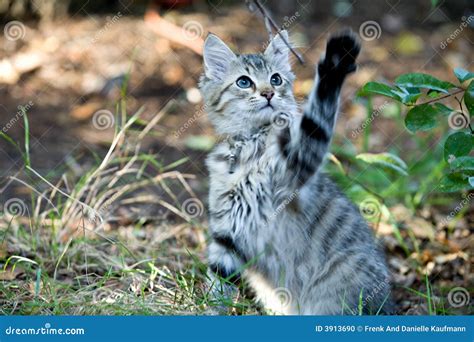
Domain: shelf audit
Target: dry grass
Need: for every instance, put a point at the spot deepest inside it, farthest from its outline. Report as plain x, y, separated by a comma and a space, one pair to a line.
88, 244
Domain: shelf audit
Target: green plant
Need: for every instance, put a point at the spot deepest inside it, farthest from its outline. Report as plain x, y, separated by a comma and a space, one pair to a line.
423, 95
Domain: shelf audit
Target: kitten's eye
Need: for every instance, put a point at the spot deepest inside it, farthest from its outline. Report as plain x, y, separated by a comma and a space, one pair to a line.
275, 80
244, 82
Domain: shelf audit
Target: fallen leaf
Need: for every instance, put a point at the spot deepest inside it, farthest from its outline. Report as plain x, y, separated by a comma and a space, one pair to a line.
421, 228
11, 273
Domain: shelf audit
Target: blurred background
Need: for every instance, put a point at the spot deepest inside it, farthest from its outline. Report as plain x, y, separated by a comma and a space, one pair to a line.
72, 73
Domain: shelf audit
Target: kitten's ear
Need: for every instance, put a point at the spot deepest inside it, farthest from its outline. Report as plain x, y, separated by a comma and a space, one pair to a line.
217, 57
278, 51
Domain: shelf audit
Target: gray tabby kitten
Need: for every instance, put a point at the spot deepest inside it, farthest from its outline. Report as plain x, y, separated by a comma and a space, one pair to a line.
275, 218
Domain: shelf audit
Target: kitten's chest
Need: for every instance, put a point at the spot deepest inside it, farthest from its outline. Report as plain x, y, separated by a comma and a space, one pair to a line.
241, 177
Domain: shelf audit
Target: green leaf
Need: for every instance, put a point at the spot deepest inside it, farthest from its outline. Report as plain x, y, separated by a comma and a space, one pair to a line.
375, 88
463, 75
408, 95
455, 182
469, 98
386, 160
421, 118
458, 144
464, 163
10, 140
443, 109
418, 80
432, 94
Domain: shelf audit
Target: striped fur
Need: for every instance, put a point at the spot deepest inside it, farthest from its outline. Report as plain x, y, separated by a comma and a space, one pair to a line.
275, 219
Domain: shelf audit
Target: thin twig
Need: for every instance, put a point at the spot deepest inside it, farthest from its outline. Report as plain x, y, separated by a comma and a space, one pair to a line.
270, 23
460, 90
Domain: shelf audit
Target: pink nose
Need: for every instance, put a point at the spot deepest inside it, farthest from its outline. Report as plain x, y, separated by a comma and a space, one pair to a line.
268, 94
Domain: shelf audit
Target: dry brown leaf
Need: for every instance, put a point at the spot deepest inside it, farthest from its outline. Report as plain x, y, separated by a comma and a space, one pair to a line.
426, 256
421, 228
3, 250
11, 273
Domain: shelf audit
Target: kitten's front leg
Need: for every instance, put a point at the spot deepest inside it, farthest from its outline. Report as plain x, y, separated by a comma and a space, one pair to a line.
224, 275
304, 149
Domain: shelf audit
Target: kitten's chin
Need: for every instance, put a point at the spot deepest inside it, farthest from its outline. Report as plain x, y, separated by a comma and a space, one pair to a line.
264, 115
267, 108
266, 111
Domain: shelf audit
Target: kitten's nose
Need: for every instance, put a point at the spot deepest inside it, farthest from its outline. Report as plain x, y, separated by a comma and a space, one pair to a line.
268, 94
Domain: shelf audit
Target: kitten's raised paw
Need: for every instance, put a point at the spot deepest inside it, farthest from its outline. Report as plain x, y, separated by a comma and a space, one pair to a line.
341, 54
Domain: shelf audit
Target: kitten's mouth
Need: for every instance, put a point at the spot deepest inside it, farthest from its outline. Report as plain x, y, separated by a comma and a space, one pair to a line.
268, 105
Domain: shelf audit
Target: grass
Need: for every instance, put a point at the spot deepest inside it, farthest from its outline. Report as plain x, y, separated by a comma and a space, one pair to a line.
65, 256
67, 252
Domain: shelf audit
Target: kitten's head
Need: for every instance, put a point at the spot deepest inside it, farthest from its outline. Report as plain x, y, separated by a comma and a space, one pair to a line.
244, 92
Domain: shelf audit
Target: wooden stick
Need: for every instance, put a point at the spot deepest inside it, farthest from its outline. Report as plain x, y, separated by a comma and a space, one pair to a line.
269, 21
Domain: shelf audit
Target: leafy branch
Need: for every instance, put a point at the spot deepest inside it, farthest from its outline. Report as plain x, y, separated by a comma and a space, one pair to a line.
424, 115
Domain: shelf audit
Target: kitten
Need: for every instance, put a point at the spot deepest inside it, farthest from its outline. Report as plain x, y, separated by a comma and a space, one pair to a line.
274, 218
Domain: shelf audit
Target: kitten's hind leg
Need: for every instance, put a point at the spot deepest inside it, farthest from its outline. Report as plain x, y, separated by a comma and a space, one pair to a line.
224, 277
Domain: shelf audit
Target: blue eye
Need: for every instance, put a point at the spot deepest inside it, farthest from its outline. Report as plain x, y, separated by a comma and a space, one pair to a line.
244, 82
275, 80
